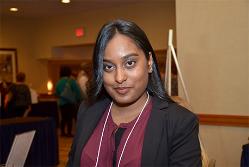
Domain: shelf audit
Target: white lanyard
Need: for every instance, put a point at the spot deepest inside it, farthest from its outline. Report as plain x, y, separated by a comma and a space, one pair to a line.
103, 130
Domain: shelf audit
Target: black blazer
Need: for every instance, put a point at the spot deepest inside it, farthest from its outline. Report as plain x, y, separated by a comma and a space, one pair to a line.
171, 135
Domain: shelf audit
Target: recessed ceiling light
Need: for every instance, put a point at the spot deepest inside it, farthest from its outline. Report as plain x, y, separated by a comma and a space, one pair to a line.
65, 1
13, 9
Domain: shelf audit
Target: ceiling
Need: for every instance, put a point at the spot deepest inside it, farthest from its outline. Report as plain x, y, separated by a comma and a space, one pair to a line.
49, 8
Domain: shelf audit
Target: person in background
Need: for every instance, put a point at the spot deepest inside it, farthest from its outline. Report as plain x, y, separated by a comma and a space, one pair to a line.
67, 105
18, 99
129, 119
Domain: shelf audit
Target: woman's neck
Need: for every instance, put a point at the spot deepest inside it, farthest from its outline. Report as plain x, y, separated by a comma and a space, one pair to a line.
126, 114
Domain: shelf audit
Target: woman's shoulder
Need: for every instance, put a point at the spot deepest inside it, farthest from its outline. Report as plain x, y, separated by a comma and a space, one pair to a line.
176, 118
174, 111
180, 117
178, 110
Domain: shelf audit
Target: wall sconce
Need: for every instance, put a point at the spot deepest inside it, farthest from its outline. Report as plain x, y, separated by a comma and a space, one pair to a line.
50, 87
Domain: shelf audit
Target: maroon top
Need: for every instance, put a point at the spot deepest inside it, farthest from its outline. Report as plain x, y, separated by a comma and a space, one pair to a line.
133, 152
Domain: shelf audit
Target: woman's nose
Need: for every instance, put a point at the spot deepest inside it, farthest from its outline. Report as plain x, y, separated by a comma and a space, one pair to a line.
120, 75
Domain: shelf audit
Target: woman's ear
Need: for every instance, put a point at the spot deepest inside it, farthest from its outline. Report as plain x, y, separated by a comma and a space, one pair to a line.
150, 63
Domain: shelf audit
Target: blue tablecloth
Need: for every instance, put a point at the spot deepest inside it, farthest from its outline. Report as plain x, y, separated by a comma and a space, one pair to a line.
44, 148
48, 108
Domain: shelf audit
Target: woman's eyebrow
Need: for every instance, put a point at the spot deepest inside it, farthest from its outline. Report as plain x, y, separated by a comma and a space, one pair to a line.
129, 56
124, 57
106, 60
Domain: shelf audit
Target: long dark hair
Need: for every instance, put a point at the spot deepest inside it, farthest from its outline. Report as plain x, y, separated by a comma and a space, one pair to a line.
131, 30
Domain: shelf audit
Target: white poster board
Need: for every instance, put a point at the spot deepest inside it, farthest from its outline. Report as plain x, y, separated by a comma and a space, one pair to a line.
20, 149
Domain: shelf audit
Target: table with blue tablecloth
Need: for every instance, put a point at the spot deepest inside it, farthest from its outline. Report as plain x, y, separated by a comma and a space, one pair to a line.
44, 148
45, 108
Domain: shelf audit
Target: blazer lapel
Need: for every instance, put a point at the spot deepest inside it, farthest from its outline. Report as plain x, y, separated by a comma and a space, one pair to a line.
88, 125
153, 132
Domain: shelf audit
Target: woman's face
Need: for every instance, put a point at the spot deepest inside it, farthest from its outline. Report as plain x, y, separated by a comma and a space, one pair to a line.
126, 70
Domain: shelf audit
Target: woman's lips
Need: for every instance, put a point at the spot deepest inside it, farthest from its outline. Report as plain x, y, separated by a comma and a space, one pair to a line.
122, 90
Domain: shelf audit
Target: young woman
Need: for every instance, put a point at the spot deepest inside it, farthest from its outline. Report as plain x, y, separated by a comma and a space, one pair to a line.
130, 120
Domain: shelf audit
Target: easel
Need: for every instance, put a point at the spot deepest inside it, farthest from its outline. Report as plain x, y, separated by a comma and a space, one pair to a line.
168, 65
167, 84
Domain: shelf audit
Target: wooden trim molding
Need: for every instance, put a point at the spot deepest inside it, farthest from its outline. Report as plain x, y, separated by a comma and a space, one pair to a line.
217, 120
224, 120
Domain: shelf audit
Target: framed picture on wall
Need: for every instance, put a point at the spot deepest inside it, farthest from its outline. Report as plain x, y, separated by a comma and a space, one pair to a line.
8, 64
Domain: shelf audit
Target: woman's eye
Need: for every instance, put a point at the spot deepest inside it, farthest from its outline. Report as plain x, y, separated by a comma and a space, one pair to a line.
130, 63
108, 67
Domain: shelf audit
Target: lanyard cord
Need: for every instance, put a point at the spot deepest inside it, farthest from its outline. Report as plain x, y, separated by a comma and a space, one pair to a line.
102, 134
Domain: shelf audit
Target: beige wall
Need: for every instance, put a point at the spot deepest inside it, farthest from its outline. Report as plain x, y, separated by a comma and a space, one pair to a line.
155, 18
212, 42
36, 38
19, 34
